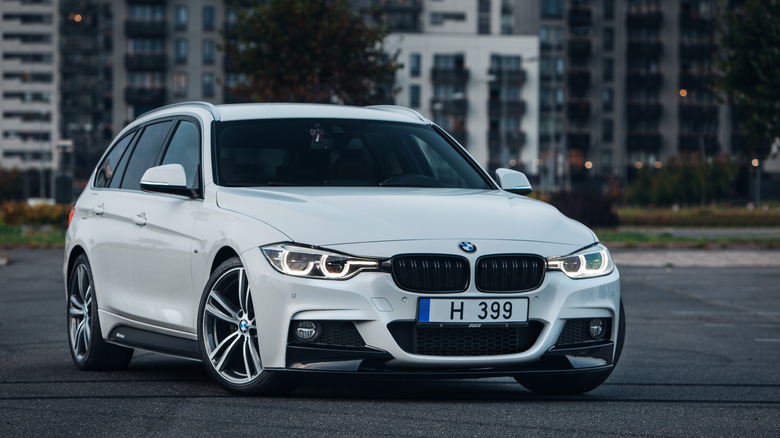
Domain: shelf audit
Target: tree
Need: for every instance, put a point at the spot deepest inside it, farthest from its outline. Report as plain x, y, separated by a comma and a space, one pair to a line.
310, 51
748, 62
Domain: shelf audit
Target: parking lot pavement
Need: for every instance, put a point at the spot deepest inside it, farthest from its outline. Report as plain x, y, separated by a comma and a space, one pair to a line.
695, 258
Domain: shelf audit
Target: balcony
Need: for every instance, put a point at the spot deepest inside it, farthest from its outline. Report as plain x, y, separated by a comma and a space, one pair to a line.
79, 64
145, 29
450, 75
692, 20
80, 84
644, 141
70, 27
400, 5
644, 78
513, 139
580, 47
644, 17
645, 48
694, 142
578, 139
81, 43
580, 15
644, 110
507, 76
579, 109
694, 81
506, 107
698, 111
697, 49
449, 107
146, 62
145, 96
77, 104
579, 77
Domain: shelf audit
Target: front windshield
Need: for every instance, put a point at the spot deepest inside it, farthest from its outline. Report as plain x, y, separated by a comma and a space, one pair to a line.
337, 152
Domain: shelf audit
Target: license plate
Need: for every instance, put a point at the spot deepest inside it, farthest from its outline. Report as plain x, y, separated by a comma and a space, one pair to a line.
472, 310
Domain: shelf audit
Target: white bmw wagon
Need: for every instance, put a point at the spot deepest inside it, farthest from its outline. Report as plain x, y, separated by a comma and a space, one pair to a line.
275, 240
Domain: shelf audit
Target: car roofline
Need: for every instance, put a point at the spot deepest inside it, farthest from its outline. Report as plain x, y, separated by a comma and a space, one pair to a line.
401, 110
210, 107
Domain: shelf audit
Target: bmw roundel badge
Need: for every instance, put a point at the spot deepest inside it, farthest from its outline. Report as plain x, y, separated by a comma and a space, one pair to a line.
467, 247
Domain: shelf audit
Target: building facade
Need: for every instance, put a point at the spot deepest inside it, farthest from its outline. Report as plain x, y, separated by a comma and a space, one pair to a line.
624, 85
28, 92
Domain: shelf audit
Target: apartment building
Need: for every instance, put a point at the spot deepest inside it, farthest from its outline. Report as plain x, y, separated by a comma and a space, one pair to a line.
624, 84
28, 92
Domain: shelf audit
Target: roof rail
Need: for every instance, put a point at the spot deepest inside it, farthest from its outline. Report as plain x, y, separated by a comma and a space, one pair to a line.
401, 110
208, 106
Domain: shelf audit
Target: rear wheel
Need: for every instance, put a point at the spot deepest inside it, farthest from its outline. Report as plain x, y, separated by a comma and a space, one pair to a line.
87, 347
227, 333
576, 383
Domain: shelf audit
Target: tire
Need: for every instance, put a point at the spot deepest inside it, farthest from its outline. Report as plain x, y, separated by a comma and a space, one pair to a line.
576, 383
87, 347
227, 334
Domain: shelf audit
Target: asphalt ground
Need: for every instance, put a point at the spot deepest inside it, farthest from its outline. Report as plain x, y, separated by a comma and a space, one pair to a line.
700, 359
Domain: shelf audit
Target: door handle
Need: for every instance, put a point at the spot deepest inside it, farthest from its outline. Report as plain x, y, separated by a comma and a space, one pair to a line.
140, 219
99, 209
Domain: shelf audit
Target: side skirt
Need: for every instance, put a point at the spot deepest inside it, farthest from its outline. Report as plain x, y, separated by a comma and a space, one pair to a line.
146, 340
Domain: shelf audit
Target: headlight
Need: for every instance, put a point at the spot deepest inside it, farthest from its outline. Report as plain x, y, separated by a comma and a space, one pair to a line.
590, 262
301, 261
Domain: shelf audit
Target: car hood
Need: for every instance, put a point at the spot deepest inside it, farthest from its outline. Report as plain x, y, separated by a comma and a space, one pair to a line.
327, 216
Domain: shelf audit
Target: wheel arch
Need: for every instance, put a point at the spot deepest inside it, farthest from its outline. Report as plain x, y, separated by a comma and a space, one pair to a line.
75, 252
224, 253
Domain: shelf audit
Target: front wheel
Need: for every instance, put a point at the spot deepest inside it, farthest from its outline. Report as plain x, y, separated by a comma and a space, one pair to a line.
576, 383
87, 347
227, 333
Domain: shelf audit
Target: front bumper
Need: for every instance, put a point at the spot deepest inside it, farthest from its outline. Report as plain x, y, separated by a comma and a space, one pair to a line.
368, 361
373, 303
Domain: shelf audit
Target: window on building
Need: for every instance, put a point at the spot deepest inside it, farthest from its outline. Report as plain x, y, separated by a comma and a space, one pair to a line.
608, 73
208, 85
552, 8
438, 18
180, 84
414, 96
208, 52
145, 45
146, 12
607, 99
609, 9
181, 51
609, 38
607, 130
449, 61
505, 62
414, 65
551, 37
208, 18
483, 17
448, 92
181, 17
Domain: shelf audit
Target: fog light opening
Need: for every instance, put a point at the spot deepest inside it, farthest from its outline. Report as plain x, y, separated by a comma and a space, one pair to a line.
596, 329
306, 331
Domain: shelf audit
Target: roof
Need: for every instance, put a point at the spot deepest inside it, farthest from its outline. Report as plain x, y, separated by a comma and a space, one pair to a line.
249, 111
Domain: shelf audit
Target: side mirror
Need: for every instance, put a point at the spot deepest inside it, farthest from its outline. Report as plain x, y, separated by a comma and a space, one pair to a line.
169, 178
513, 181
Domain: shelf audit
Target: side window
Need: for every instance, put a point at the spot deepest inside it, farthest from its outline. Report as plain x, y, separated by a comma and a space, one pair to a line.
145, 153
108, 167
184, 149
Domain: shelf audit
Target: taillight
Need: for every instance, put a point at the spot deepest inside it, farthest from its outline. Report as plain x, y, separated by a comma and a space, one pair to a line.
70, 215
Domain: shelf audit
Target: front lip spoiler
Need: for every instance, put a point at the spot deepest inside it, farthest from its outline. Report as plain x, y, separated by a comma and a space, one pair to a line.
373, 362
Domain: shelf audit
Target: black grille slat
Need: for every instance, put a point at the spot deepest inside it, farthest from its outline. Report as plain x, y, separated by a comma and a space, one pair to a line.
431, 273
510, 273
464, 341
